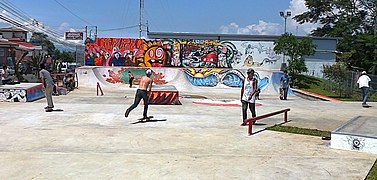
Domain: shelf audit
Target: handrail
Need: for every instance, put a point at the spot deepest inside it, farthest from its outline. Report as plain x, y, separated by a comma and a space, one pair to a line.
251, 120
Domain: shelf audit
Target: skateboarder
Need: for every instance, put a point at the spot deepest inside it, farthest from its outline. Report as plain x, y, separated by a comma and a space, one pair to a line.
284, 84
248, 91
145, 86
48, 84
363, 82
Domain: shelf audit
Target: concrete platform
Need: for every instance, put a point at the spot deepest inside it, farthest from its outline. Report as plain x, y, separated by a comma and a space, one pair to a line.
91, 139
358, 134
23, 92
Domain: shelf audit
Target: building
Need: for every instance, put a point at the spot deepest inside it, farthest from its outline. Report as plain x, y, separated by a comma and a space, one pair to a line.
13, 45
13, 32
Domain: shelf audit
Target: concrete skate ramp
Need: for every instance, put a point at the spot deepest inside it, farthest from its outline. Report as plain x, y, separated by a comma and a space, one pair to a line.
184, 79
358, 134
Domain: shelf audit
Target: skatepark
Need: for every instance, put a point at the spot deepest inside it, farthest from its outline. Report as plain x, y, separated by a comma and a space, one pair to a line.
88, 136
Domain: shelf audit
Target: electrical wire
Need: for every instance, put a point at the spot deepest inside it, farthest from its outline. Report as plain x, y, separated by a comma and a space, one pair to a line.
72, 12
117, 29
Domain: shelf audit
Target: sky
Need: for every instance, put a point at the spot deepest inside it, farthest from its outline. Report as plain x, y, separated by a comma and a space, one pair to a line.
256, 17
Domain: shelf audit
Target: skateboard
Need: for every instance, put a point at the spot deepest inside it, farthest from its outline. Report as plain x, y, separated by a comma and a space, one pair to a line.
50, 110
281, 96
147, 118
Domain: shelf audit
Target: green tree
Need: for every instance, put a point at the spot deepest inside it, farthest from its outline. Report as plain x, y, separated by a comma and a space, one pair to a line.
40, 39
353, 21
67, 56
295, 49
336, 73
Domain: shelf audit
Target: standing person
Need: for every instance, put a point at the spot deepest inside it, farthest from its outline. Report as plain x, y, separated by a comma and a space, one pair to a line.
130, 78
145, 86
48, 84
363, 82
284, 84
4, 75
248, 91
60, 66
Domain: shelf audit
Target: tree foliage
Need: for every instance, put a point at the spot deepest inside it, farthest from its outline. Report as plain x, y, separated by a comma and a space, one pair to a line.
40, 39
295, 49
353, 21
337, 73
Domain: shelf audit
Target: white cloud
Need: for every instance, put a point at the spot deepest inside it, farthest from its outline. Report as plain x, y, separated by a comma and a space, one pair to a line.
263, 28
64, 27
271, 28
297, 7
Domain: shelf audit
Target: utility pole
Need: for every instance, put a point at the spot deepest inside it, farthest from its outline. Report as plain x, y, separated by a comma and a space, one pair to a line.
141, 11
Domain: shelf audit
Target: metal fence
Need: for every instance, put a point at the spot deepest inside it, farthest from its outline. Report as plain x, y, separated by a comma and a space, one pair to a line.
349, 87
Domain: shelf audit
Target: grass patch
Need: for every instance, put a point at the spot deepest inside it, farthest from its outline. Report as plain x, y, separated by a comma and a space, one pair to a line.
372, 175
321, 86
297, 130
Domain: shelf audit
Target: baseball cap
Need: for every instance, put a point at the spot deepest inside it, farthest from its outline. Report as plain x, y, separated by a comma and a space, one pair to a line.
250, 70
148, 71
364, 72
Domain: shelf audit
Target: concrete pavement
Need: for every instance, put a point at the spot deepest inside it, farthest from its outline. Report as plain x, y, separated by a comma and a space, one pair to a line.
91, 139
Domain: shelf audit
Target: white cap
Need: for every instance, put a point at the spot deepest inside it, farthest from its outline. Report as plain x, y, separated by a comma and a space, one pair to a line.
148, 71
364, 72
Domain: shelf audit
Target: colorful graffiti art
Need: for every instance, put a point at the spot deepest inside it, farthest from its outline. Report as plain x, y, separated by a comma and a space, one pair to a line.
213, 77
121, 76
164, 98
179, 53
26, 94
13, 95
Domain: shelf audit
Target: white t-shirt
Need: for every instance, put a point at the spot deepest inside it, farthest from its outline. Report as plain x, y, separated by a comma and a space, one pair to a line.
363, 81
247, 90
4, 74
46, 76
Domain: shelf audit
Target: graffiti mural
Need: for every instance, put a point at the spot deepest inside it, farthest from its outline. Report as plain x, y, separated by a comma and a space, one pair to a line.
259, 54
21, 95
181, 53
13, 95
121, 76
164, 97
214, 77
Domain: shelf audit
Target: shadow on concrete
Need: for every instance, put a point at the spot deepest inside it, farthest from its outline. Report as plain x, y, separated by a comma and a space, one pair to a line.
261, 124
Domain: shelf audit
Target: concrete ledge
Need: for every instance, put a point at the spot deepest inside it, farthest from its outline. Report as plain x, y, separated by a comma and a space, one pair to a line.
313, 96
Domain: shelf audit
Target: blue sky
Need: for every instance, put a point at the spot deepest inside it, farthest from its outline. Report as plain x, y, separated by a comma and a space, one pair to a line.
199, 16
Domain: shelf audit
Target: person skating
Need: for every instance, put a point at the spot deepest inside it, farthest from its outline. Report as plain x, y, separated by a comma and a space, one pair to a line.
145, 86
363, 82
284, 84
48, 84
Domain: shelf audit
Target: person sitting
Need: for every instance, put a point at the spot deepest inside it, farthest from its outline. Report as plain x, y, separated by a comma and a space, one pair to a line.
69, 83
5, 75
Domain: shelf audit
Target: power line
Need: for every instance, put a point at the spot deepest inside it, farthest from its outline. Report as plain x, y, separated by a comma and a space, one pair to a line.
116, 29
72, 12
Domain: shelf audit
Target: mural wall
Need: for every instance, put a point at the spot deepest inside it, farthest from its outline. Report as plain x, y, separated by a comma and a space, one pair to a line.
208, 77
181, 53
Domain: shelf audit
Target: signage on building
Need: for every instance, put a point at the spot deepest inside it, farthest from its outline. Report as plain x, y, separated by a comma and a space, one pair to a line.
74, 35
